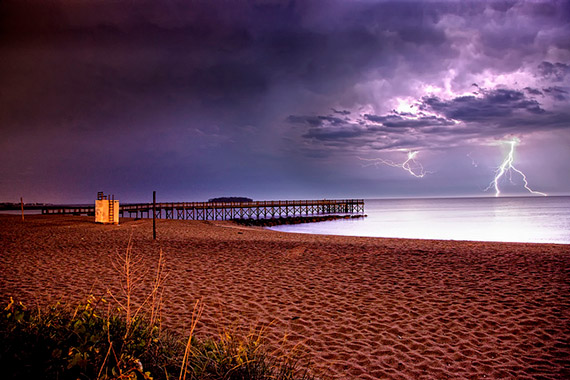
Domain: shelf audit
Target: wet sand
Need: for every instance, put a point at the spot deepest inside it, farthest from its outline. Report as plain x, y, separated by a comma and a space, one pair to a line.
356, 308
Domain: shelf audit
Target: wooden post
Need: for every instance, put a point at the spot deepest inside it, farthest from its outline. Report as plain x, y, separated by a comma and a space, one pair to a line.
22, 206
154, 215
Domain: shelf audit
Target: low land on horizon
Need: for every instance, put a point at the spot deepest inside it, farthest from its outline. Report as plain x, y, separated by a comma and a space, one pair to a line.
354, 307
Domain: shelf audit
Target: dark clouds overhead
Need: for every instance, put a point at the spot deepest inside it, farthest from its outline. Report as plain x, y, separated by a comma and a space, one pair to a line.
437, 123
555, 71
180, 90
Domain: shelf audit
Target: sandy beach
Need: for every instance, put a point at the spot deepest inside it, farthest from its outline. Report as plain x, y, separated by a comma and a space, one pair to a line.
354, 308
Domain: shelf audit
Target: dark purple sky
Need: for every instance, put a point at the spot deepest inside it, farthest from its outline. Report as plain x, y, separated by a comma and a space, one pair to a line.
280, 99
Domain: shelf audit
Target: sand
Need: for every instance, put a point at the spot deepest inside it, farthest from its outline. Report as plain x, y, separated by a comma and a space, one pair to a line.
355, 308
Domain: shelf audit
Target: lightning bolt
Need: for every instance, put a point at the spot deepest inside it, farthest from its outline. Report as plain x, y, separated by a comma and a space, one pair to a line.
410, 165
507, 167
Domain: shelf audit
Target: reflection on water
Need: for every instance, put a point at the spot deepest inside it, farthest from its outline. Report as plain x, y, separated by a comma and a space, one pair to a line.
523, 219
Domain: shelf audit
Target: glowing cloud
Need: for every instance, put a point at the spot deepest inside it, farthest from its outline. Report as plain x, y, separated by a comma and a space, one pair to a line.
410, 165
507, 167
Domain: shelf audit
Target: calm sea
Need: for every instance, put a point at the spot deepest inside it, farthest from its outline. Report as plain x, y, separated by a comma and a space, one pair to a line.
521, 219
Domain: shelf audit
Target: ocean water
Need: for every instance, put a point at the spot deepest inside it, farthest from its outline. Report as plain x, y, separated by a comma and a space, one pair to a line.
520, 219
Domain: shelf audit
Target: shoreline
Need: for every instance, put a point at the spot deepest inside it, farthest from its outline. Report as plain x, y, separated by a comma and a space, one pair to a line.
270, 228
354, 307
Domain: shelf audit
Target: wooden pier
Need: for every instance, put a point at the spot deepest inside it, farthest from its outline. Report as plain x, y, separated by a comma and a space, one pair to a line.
223, 210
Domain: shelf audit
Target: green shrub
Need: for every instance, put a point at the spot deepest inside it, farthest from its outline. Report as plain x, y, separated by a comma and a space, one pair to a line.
79, 343
91, 341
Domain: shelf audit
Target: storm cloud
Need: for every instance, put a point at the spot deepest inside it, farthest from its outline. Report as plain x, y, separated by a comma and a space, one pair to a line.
438, 123
187, 97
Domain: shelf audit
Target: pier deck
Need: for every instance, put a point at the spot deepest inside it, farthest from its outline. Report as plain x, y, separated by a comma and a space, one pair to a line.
223, 210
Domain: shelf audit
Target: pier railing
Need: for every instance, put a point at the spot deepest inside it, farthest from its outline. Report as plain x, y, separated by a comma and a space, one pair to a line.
224, 210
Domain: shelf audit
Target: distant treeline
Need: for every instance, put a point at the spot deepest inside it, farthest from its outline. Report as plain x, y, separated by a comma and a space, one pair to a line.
230, 199
293, 220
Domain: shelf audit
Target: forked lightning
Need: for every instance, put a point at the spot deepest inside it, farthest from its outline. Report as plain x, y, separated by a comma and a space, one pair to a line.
507, 167
410, 165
